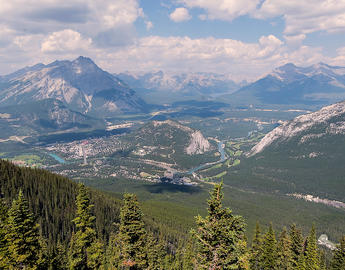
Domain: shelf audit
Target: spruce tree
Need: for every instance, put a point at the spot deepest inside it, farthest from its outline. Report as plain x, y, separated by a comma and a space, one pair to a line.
269, 250
256, 250
296, 244
22, 235
312, 260
113, 252
300, 265
188, 256
338, 261
155, 253
85, 251
284, 253
132, 235
220, 240
3, 241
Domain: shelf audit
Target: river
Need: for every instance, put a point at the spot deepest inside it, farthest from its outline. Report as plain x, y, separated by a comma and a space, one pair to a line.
57, 158
222, 158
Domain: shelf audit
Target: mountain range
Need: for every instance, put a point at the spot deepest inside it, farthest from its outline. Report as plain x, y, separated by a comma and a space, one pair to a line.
180, 85
316, 85
79, 84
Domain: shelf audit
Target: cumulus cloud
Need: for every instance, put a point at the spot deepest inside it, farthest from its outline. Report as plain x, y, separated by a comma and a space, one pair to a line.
88, 17
64, 41
241, 60
303, 17
223, 9
180, 14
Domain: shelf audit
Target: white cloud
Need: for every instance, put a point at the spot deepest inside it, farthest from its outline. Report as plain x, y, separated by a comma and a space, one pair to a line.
65, 41
223, 9
303, 17
149, 25
180, 14
88, 17
241, 60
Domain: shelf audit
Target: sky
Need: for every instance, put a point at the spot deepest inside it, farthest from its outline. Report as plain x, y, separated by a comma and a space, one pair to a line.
242, 38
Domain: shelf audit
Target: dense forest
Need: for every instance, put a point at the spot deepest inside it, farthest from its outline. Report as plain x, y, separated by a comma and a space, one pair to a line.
50, 222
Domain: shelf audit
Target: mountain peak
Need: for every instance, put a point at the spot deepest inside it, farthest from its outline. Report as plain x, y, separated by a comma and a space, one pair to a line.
83, 60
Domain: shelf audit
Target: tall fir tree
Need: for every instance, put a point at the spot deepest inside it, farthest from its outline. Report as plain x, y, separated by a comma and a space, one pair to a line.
269, 250
300, 265
256, 249
296, 244
132, 235
312, 260
3, 241
338, 260
85, 251
189, 255
22, 236
220, 240
284, 253
155, 251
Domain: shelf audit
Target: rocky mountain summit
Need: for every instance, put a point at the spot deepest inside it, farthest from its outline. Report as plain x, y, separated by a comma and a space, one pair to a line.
316, 85
80, 84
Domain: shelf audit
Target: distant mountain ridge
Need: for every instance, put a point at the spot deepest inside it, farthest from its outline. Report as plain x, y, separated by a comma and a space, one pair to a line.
200, 83
317, 85
80, 84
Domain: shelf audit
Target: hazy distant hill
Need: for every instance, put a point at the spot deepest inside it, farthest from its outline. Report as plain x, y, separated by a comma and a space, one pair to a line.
318, 85
80, 84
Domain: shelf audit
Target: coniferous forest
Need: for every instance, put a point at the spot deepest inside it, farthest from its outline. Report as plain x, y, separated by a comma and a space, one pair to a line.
50, 222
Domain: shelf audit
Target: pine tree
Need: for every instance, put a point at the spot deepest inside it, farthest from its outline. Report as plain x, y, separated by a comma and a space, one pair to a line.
312, 260
85, 251
188, 256
3, 242
113, 252
296, 244
256, 250
284, 253
338, 261
300, 265
132, 235
155, 253
269, 253
22, 235
220, 236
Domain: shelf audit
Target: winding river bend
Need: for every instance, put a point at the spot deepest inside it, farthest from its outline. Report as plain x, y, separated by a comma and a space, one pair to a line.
222, 158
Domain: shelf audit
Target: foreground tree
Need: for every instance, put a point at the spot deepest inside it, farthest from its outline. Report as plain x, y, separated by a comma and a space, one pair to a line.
284, 253
256, 250
3, 242
269, 253
85, 251
312, 260
22, 236
338, 261
296, 244
220, 240
132, 235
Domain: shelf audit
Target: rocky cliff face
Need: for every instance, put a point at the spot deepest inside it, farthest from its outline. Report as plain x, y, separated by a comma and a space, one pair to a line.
198, 144
329, 120
80, 84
